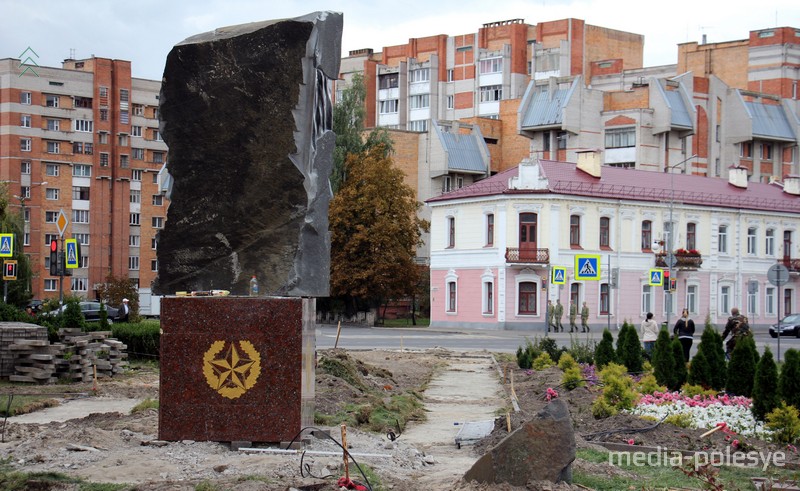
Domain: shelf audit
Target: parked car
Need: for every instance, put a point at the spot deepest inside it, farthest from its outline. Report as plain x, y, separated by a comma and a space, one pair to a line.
90, 311
790, 326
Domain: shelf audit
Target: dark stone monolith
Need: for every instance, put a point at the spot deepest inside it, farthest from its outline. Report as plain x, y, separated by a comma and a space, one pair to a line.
246, 113
540, 450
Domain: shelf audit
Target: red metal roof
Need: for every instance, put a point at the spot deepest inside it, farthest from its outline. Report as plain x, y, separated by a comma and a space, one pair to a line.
617, 183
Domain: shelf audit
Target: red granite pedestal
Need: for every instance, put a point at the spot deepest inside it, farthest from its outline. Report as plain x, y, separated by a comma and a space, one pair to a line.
236, 368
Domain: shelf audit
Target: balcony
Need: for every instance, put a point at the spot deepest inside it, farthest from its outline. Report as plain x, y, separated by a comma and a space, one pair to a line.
527, 256
792, 264
683, 260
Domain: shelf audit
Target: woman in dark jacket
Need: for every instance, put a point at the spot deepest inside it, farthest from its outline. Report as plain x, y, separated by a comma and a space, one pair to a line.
684, 331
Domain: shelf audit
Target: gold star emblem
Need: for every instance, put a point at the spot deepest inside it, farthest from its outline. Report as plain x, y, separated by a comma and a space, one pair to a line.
235, 371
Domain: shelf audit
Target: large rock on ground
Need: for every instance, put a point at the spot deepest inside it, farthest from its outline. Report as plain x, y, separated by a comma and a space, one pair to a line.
246, 113
543, 449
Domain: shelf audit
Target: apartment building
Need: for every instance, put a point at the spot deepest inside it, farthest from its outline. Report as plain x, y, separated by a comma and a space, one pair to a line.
496, 243
84, 139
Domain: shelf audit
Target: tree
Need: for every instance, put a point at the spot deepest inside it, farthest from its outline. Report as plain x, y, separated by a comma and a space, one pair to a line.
679, 377
115, 289
711, 347
375, 231
604, 353
765, 386
629, 350
12, 223
699, 371
742, 367
664, 360
789, 379
348, 124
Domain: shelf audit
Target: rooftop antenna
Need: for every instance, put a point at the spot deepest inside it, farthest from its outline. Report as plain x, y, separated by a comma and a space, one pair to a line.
72, 53
702, 31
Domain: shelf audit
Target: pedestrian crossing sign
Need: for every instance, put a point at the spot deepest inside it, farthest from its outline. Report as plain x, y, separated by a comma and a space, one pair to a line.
72, 254
656, 277
6, 245
559, 275
587, 267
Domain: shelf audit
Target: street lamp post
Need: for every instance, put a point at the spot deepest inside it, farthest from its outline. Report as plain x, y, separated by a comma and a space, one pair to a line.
670, 256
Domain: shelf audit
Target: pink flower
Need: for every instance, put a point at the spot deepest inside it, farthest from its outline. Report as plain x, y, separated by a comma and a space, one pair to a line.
735, 443
631, 442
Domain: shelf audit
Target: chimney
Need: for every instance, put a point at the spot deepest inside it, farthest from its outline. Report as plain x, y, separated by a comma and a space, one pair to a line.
791, 184
737, 176
529, 176
589, 162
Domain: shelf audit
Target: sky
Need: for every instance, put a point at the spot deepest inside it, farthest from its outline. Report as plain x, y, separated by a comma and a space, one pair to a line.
144, 31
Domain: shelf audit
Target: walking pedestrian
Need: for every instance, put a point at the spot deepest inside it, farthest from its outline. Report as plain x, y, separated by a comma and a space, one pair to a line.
585, 318
559, 314
684, 331
649, 333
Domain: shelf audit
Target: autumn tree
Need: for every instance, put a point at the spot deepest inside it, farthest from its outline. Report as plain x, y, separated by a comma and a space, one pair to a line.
375, 231
115, 289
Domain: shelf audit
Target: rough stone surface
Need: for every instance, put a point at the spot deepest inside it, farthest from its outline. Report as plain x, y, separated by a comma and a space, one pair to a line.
543, 449
246, 112
236, 369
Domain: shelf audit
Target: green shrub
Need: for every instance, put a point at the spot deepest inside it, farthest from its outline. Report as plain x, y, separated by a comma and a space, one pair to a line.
549, 346
604, 353
103, 323
714, 355
582, 352
699, 371
72, 317
617, 387
572, 378
789, 379
664, 360
543, 362
526, 355
681, 420
784, 422
742, 367
648, 384
142, 338
690, 390
629, 349
765, 386
679, 378
566, 362
9, 313
602, 409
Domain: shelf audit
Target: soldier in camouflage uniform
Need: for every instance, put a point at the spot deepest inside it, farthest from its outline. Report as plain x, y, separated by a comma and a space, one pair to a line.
737, 327
573, 312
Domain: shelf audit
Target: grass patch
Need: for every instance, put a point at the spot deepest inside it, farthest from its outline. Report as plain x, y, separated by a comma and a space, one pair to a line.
421, 322
21, 481
145, 405
24, 404
374, 479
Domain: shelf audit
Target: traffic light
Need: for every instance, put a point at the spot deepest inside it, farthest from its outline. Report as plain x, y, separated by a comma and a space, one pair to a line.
673, 284
10, 270
667, 281
54, 257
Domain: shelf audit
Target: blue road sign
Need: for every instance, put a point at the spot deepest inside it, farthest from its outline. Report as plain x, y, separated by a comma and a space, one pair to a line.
71, 251
587, 267
656, 277
559, 275
6, 245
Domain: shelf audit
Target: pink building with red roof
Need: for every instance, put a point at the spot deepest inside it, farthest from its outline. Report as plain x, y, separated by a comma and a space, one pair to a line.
496, 244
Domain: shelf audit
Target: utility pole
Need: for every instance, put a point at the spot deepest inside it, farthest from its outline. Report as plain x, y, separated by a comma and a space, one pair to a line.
670, 256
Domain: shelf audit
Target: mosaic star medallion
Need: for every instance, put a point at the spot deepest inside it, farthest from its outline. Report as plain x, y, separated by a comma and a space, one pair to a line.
230, 371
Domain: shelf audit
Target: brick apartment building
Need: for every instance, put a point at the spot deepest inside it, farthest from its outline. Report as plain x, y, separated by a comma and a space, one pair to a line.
84, 139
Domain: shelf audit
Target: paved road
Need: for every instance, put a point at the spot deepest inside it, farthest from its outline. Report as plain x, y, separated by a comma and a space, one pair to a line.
480, 339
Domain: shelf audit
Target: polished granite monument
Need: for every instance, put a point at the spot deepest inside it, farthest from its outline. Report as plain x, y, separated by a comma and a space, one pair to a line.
246, 112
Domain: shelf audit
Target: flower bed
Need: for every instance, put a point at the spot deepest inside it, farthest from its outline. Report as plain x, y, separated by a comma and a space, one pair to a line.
705, 411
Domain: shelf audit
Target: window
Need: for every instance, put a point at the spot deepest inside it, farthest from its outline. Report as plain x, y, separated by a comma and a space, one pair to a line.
751, 241
52, 193
546, 141
136, 131
769, 246
103, 136
575, 231
124, 161
134, 240
605, 232
103, 91
53, 147
25, 98
27, 216
138, 110
451, 232
124, 97
527, 298
82, 102
49, 238
388, 107
103, 159
122, 140
26, 237
769, 300
491, 65
575, 294
158, 200
104, 115
25, 167
80, 216
136, 175
752, 298
691, 236
388, 81
124, 116
490, 229
154, 265
787, 246
605, 299
158, 157
77, 148
488, 297
136, 196
134, 219
491, 93
84, 125
766, 151
451, 75
157, 135
25, 191
80, 284
421, 125
725, 300
746, 150
51, 100
25, 121
691, 299
83, 239
137, 153
154, 243
420, 75
50, 216
80, 193
647, 299
50, 284
25, 144
561, 140
158, 222
420, 101
451, 102
133, 263
722, 238
87, 148
621, 138
53, 124
451, 296
155, 177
